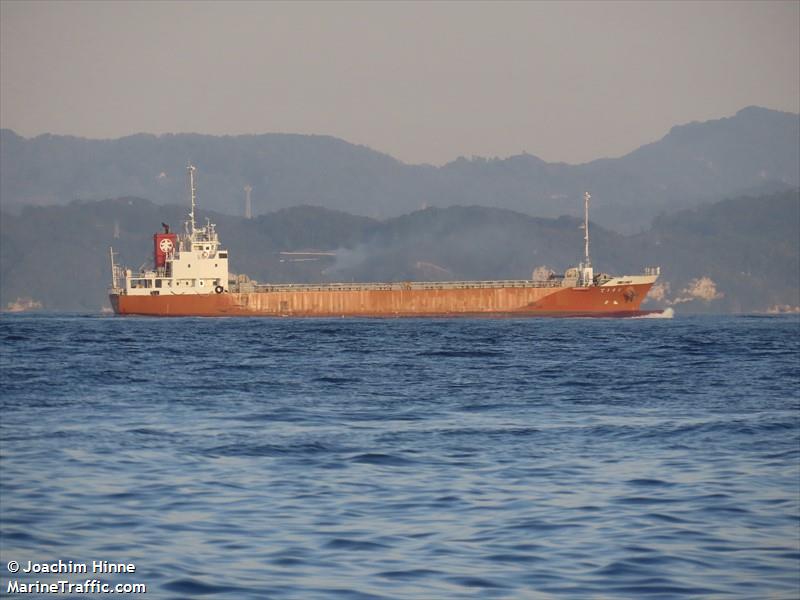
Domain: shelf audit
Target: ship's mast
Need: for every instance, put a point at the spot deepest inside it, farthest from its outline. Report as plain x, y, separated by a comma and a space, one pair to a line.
191, 169
113, 269
587, 260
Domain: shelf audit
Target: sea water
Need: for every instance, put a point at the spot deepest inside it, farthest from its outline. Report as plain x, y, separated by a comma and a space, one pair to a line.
432, 459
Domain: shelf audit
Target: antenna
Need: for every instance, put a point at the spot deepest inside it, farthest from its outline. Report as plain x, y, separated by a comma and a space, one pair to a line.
586, 197
248, 206
191, 169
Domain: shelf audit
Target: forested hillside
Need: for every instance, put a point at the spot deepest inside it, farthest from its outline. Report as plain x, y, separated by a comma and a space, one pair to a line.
738, 255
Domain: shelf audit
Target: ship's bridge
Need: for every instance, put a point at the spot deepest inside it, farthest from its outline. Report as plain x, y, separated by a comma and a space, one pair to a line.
195, 264
200, 268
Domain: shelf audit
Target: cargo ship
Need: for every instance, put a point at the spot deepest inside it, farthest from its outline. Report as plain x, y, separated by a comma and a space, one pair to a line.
190, 278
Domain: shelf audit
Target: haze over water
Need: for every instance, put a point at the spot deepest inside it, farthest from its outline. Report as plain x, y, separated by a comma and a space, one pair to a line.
247, 458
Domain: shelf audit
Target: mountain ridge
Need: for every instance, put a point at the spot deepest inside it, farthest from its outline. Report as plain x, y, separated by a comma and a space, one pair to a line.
693, 163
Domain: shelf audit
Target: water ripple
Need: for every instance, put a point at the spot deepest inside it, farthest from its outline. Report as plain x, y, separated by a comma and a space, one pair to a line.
296, 459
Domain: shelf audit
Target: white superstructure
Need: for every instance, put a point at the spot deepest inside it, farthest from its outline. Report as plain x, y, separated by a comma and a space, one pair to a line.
192, 263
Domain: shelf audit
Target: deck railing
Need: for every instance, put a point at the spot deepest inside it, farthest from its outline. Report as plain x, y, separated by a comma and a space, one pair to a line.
398, 286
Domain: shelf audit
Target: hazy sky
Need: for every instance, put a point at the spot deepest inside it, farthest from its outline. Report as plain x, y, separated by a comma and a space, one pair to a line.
422, 81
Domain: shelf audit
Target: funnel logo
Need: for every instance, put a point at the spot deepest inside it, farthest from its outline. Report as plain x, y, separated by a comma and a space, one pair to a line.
165, 245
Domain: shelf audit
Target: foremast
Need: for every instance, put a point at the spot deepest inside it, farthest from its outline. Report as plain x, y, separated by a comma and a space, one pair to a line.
586, 271
190, 168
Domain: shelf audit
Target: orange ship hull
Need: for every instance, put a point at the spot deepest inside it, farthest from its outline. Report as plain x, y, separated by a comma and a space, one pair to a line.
594, 301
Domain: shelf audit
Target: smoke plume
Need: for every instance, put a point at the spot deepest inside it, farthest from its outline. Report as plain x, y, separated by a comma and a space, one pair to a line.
702, 288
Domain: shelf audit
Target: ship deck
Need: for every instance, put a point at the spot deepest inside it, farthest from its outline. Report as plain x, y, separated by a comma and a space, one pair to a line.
395, 286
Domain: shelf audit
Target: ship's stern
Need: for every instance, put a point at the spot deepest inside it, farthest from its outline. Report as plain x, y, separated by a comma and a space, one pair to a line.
113, 298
